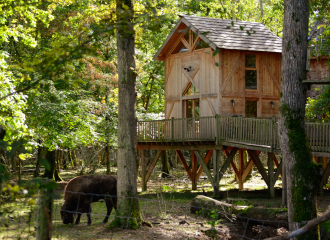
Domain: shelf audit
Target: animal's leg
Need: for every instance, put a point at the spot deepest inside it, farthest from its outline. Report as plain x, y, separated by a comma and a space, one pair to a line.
89, 215
109, 209
78, 218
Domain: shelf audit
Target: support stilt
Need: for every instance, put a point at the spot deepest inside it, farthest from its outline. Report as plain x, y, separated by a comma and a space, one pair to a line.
270, 163
216, 173
144, 169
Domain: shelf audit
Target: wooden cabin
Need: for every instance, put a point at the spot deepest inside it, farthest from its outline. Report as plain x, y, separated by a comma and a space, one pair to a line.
216, 69
216, 66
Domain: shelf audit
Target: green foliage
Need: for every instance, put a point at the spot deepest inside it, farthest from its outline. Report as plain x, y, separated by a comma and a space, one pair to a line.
319, 108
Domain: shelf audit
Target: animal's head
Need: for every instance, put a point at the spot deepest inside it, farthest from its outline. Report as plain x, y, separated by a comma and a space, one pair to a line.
66, 215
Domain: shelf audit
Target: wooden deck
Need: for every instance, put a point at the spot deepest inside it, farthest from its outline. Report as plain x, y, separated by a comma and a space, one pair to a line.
250, 133
232, 135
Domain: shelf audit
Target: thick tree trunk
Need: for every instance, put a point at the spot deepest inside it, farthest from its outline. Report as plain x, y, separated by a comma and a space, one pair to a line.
128, 211
302, 174
52, 172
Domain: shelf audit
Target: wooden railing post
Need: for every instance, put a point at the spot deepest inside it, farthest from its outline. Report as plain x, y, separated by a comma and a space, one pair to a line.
216, 129
172, 128
272, 134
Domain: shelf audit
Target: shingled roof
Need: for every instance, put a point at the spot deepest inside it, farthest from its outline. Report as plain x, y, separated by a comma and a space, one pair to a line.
228, 34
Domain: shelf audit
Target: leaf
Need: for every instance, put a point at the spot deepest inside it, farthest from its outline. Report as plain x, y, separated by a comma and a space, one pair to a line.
228, 27
125, 7
217, 64
50, 185
22, 156
45, 163
248, 33
241, 27
216, 52
232, 23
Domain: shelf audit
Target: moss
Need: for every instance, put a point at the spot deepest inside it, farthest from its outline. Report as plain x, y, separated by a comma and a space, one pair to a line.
305, 173
128, 214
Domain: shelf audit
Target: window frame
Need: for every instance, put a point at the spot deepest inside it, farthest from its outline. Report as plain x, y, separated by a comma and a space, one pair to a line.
256, 68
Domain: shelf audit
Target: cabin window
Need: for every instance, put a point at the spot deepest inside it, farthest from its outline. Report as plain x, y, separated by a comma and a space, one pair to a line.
191, 90
251, 108
191, 107
180, 48
201, 44
251, 71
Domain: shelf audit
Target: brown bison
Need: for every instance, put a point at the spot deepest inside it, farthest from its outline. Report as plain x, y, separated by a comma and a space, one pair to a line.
82, 191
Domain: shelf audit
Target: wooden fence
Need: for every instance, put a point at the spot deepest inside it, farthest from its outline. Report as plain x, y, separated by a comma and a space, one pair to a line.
257, 131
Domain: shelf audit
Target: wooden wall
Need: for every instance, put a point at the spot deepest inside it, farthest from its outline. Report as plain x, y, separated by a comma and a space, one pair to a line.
220, 79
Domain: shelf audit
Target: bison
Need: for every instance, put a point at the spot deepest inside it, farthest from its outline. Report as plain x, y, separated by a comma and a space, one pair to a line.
82, 191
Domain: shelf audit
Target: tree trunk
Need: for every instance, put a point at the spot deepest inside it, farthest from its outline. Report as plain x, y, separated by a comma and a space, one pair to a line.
73, 158
108, 158
165, 165
128, 210
52, 172
302, 173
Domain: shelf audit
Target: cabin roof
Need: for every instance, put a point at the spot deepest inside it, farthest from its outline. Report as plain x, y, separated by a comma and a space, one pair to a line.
226, 34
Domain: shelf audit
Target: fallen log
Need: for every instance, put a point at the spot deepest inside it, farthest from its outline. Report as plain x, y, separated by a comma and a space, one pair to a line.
277, 217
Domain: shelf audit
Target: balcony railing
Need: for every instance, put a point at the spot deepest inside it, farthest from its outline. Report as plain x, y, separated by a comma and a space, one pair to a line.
256, 131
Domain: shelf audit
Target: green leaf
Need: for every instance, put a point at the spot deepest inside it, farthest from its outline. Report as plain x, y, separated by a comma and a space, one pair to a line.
241, 27
216, 52
50, 185
45, 163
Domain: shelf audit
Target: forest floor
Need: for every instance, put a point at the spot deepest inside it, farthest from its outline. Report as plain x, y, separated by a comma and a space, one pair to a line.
166, 205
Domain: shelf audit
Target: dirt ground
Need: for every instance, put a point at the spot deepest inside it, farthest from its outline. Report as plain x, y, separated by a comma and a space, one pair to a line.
166, 205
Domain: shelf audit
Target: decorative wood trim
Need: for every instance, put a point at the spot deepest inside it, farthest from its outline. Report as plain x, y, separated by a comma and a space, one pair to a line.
183, 40
209, 95
190, 79
152, 165
271, 75
184, 163
169, 69
232, 71
190, 97
172, 99
169, 114
211, 106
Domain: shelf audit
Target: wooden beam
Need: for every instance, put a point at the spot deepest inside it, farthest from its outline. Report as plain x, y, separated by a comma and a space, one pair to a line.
206, 160
278, 171
255, 158
152, 165
190, 79
211, 106
180, 147
144, 169
205, 168
232, 164
247, 169
194, 170
227, 163
184, 163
